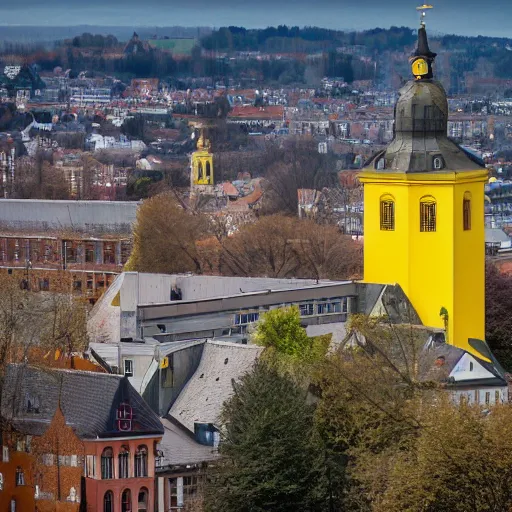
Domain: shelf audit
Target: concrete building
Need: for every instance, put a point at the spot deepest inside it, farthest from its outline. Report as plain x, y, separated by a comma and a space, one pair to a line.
178, 307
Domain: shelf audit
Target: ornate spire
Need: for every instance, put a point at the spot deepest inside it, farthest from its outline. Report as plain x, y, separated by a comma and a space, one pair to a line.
422, 58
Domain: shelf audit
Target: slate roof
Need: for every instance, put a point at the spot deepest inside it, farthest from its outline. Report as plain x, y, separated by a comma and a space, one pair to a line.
88, 400
495, 235
180, 449
211, 385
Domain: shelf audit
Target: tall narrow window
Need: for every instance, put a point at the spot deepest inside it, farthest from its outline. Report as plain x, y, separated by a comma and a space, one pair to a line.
466, 211
107, 466
208, 172
428, 213
108, 502
124, 461
387, 214
143, 500
20, 476
141, 461
126, 501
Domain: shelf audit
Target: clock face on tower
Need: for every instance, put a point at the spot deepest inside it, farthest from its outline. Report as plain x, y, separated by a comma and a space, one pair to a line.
419, 68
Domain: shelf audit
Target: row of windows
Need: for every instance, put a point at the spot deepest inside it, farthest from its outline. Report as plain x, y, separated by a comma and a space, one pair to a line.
124, 470
319, 307
428, 214
126, 501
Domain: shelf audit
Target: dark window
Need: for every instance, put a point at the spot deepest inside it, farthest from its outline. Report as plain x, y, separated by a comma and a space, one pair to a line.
90, 252
428, 216
143, 500
44, 285
466, 209
20, 476
109, 254
128, 368
387, 215
438, 163
141, 461
124, 461
70, 252
108, 502
126, 501
306, 309
107, 466
208, 171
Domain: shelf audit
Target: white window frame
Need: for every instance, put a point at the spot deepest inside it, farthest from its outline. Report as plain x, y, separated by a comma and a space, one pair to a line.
126, 372
90, 466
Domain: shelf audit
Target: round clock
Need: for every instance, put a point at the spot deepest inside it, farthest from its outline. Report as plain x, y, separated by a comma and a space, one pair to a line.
420, 67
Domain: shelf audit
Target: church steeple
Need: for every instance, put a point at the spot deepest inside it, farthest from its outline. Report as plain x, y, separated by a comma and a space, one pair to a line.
422, 59
420, 141
423, 211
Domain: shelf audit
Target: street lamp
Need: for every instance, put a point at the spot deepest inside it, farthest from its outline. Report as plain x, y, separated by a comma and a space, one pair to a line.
28, 266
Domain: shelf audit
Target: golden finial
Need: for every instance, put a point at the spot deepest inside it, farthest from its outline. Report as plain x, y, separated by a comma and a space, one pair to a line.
422, 9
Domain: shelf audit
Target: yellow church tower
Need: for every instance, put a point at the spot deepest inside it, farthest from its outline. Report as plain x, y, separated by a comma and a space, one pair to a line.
202, 162
424, 211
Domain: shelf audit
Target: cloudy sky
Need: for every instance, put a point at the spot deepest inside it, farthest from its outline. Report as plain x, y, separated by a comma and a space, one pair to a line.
469, 17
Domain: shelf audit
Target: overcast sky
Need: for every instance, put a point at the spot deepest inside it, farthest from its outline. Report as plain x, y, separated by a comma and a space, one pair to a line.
489, 17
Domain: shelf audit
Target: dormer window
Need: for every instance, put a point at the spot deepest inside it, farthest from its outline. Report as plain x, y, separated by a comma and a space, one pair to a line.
438, 163
380, 164
124, 416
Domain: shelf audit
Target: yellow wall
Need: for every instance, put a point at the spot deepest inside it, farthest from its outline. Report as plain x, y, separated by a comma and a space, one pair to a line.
204, 158
445, 268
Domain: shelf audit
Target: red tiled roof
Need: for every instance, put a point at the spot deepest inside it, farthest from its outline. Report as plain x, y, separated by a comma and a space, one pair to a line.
229, 189
270, 112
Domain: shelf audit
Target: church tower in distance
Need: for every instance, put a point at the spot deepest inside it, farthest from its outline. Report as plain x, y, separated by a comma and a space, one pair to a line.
424, 211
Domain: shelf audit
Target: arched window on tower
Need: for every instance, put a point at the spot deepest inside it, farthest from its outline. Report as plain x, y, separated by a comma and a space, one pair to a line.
200, 171
428, 214
466, 211
208, 172
387, 213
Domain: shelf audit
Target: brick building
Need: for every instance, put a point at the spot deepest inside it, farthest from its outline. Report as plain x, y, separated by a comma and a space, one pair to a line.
75, 441
77, 246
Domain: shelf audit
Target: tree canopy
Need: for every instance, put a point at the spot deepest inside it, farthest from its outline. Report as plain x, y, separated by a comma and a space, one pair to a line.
273, 457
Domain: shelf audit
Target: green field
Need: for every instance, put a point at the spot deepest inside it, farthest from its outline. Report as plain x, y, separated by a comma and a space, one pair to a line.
177, 45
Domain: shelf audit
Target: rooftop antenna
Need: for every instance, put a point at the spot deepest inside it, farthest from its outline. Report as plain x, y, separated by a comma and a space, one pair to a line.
422, 9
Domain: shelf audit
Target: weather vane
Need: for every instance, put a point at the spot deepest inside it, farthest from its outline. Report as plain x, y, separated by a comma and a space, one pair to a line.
422, 9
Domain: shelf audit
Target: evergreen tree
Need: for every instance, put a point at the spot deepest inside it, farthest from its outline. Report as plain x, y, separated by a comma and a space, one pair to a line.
273, 458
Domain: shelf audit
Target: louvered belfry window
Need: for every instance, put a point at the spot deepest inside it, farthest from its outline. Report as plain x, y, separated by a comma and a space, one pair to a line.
387, 215
466, 211
428, 215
